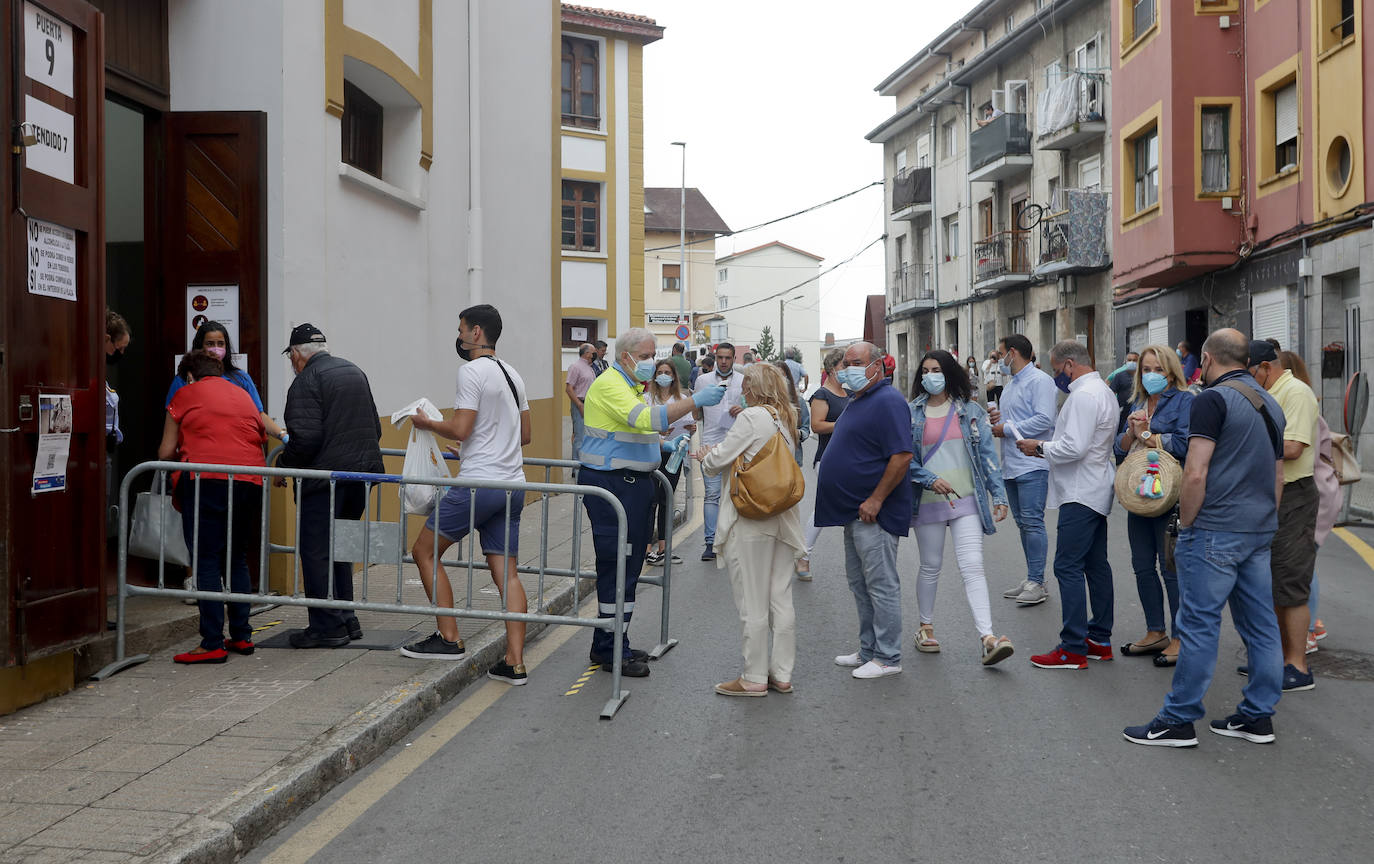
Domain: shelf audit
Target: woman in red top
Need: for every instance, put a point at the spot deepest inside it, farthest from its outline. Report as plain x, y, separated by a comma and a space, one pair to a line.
212, 420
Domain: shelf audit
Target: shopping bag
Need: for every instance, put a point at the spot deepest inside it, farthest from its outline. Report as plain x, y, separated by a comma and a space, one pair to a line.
424, 458
157, 525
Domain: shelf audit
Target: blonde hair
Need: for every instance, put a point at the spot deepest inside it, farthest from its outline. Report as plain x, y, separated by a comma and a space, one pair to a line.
1173, 370
767, 387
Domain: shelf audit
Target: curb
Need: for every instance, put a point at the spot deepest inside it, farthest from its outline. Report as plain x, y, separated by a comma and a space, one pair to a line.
285, 791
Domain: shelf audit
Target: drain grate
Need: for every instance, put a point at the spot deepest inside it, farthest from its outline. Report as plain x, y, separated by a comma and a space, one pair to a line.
1343, 665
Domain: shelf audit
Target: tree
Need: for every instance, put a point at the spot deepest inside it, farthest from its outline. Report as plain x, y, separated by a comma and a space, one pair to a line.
763, 349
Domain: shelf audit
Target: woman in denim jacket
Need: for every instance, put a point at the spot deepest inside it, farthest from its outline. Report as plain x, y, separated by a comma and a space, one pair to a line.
955, 468
1158, 417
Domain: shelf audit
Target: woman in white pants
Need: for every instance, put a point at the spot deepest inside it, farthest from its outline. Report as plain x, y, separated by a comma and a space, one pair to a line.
955, 469
759, 553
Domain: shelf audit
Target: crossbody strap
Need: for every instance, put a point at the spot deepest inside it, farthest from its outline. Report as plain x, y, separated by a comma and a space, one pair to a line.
1254, 399
514, 395
944, 434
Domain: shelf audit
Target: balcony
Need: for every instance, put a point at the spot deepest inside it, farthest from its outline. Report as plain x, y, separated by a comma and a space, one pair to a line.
1071, 112
1000, 149
911, 194
1074, 240
1001, 260
912, 291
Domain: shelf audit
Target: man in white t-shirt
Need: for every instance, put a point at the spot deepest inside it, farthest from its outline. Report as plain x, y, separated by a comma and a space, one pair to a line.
491, 420
716, 420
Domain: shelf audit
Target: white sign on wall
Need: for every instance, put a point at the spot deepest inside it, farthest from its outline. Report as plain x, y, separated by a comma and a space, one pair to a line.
660, 318
212, 303
53, 154
52, 260
48, 49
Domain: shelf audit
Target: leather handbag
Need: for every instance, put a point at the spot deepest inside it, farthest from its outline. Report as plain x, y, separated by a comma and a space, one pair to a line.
769, 483
1343, 460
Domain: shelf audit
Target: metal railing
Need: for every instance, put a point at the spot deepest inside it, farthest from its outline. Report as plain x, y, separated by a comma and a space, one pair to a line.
911, 186
911, 282
371, 542
1054, 237
1004, 253
1003, 135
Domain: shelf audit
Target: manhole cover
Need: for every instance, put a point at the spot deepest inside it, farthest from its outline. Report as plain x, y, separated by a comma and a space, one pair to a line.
1344, 665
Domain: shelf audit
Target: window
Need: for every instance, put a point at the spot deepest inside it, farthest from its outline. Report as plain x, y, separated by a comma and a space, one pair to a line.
581, 93
576, 331
923, 151
723, 274
1286, 126
899, 160
950, 134
1269, 315
1010, 23
1278, 105
672, 277
1335, 22
361, 127
1157, 332
1017, 324
581, 225
1142, 17
1016, 97
1216, 149
1090, 173
722, 302
1054, 195
1146, 170
901, 250
1053, 72
951, 238
720, 331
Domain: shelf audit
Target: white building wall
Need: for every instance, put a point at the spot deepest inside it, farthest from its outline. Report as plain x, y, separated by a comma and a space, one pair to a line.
762, 273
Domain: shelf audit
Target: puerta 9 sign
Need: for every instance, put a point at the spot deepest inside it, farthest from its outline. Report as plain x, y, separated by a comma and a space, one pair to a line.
48, 49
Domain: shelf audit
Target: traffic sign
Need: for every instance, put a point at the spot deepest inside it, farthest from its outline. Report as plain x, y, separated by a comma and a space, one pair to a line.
682, 331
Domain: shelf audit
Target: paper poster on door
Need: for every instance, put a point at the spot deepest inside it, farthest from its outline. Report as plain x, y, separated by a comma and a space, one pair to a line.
212, 303
54, 442
52, 260
53, 129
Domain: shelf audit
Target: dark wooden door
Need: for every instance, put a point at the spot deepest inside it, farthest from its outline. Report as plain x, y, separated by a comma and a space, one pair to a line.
214, 221
53, 543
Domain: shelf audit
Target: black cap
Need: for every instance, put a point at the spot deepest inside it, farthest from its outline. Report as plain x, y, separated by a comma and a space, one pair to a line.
1261, 352
301, 334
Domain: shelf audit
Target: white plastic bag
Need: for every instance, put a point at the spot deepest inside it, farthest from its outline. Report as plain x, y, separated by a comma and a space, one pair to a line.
424, 458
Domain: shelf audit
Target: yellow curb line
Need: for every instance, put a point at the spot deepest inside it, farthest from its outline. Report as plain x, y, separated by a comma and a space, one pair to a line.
1361, 548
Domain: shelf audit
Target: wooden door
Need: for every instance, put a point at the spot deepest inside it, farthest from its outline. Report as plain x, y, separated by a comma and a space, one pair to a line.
52, 331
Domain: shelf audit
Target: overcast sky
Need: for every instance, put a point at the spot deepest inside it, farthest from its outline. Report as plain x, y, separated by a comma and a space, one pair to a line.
773, 98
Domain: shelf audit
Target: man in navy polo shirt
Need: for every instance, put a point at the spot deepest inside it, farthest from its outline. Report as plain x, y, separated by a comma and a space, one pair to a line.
863, 486
1227, 516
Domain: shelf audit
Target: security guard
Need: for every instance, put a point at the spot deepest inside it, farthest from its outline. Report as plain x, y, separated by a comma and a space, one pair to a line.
620, 452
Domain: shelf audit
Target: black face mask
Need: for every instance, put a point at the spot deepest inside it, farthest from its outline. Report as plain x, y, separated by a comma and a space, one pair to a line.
466, 353
114, 357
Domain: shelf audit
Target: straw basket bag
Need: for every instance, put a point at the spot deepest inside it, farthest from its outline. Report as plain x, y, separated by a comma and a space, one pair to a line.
1148, 481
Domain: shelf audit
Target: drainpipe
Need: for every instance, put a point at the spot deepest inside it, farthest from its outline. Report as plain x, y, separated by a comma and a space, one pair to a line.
474, 157
936, 260
968, 202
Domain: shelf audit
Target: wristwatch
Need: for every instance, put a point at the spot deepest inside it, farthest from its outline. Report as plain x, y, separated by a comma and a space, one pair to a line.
1145, 435
1039, 449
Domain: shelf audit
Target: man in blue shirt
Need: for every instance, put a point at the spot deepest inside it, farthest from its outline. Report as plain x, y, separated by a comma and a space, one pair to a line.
1227, 515
863, 486
1026, 411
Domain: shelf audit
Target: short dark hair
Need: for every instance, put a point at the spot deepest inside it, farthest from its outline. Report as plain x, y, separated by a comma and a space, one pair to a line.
600, 343
1188, 348
727, 346
1020, 344
1277, 347
483, 315
956, 378
678, 349
199, 364
708, 360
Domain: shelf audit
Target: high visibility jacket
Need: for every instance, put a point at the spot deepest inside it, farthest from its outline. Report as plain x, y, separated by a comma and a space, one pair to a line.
622, 429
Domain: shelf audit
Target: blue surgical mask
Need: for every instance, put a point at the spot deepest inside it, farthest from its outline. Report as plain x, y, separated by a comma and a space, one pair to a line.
1179, 352
742, 402
1062, 381
934, 382
644, 369
1130, 364
1004, 368
1153, 382
661, 380
853, 377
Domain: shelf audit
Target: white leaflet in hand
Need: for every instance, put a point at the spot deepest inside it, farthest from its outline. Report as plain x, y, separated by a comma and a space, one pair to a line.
422, 404
1009, 429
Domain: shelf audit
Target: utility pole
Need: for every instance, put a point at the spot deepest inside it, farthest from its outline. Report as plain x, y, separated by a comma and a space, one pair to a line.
682, 242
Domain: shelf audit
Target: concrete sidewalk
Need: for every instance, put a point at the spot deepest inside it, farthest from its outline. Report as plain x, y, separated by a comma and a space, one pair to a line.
170, 763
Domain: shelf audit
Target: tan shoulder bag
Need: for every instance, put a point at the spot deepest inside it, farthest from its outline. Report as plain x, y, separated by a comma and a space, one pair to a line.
769, 483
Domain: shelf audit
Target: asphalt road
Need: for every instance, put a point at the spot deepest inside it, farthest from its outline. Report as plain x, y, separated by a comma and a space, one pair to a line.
948, 761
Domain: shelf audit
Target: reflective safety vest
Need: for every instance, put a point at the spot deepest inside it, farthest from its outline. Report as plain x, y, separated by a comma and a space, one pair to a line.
622, 429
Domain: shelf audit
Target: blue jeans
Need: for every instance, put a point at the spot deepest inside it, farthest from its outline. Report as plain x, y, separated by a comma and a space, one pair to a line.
710, 508
1026, 495
579, 430
1217, 567
870, 563
1147, 550
1080, 556
214, 543
636, 491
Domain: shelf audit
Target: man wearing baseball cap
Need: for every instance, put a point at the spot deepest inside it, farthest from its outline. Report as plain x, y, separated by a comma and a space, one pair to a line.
334, 427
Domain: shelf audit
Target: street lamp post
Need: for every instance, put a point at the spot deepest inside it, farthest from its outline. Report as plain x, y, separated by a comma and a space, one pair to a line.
682, 240
782, 324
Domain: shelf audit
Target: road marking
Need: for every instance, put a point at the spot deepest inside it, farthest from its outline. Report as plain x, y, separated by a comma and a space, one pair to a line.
585, 677
317, 834
267, 626
1361, 548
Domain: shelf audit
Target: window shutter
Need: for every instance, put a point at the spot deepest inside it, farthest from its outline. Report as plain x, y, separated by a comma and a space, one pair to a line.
1269, 314
1286, 114
1158, 333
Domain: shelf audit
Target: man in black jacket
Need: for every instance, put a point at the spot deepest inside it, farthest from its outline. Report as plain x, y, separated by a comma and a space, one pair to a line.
333, 426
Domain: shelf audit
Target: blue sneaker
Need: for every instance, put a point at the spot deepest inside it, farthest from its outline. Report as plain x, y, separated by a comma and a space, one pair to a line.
1294, 680
1157, 733
1257, 730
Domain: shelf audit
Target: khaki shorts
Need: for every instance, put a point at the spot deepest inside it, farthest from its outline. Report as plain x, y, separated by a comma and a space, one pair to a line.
1294, 550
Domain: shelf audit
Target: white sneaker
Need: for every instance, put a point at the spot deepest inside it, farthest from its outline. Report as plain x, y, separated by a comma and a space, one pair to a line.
874, 669
189, 585
849, 660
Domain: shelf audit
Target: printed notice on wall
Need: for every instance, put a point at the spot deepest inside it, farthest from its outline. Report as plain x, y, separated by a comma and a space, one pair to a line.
52, 260
54, 442
48, 49
54, 152
212, 303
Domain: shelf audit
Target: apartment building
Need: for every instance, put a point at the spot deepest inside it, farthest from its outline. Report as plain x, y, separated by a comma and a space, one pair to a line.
998, 170
773, 285
1242, 201
669, 290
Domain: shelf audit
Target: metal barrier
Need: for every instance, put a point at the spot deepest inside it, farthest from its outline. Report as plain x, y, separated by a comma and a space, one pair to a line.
356, 540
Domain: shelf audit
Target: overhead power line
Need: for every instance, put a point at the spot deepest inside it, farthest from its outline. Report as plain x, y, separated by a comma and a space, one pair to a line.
712, 237
880, 238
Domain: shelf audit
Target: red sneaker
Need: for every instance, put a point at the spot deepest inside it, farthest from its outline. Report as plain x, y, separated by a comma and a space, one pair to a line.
1059, 659
1099, 651
245, 646
190, 658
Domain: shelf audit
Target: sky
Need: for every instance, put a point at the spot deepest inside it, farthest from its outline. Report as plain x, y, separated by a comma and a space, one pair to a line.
773, 98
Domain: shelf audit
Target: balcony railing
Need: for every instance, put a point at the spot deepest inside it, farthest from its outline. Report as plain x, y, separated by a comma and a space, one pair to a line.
1054, 237
1075, 238
912, 287
910, 188
1006, 253
1004, 135
1075, 99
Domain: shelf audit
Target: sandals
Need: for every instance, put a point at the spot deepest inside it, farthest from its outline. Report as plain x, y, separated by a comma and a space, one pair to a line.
779, 686
996, 649
1139, 649
926, 642
736, 688
803, 567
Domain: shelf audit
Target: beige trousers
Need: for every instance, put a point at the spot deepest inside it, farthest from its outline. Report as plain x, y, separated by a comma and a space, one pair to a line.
761, 569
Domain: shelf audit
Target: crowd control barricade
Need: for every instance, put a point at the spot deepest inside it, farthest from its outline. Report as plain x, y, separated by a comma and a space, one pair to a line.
368, 542
664, 582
